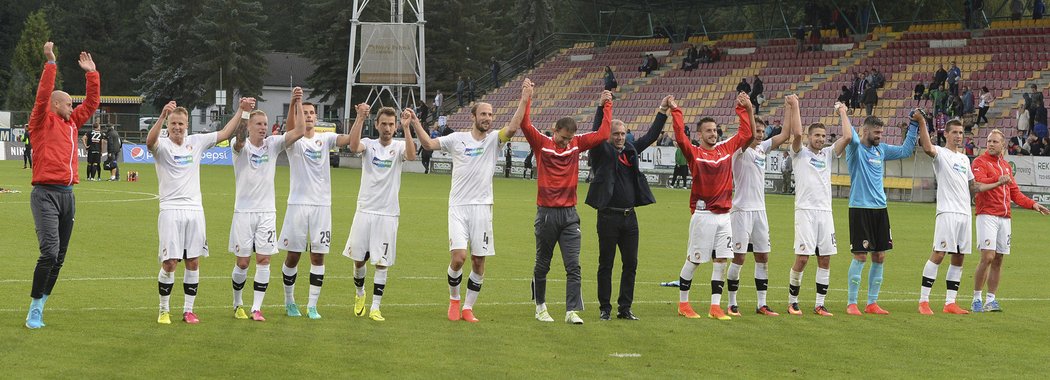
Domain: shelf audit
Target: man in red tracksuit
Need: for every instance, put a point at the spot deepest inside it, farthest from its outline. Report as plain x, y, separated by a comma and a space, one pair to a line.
54, 124
993, 219
711, 165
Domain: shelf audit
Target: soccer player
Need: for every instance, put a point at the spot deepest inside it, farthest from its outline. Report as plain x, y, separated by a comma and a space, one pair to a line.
308, 219
748, 215
474, 155
814, 222
113, 146
869, 221
180, 224
993, 218
373, 234
53, 125
254, 226
710, 200
93, 140
952, 232
558, 163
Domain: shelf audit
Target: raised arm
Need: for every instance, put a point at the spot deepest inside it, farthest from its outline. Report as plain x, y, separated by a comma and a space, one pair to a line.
655, 128
355, 130
785, 133
924, 135
745, 132
154, 132
532, 135
847, 138
1018, 197
92, 96
295, 118
896, 152
512, 127
424, 138
245, 106
44, 89
793, 122
240, 137
408, 118
590, 140
680, 137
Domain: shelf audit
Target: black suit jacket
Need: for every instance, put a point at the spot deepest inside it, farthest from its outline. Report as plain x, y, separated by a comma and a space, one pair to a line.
603, 164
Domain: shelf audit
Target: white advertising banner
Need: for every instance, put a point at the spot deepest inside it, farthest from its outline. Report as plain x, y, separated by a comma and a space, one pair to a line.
388, 53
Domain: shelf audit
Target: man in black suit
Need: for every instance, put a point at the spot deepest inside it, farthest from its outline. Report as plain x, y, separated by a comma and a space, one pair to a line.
617, 187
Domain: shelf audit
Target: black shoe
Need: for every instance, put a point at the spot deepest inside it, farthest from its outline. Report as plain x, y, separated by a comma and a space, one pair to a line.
628, 315
604, 316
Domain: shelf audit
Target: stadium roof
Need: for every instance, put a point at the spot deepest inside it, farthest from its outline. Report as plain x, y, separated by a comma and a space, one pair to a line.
673, 4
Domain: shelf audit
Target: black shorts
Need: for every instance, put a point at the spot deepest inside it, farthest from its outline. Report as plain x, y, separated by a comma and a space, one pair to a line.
94, 157
869, 230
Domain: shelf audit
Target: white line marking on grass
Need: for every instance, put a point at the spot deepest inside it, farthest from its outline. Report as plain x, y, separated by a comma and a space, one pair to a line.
151, 197
620, 355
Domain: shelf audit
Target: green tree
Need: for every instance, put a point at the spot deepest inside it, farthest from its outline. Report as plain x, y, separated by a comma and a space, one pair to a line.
171, 74
230, 57
27, 63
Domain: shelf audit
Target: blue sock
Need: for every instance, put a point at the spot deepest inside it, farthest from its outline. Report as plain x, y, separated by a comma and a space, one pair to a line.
36, 303
43, 300
874, 282
855, 268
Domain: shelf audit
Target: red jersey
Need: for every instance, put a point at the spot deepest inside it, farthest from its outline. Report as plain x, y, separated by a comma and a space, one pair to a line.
712, 170
558, 168
55, 139
987, 169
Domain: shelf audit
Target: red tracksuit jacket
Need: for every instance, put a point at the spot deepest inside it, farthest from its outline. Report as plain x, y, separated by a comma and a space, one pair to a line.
55, 139
987, 169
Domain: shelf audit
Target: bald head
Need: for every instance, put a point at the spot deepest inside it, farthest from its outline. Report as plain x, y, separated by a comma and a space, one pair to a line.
61, 104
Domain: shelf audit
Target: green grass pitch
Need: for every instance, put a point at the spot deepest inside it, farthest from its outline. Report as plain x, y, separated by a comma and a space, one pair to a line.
101, 320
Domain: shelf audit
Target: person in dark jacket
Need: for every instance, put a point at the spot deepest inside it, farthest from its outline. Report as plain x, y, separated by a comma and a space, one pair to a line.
846, 97
756, 90
610, 79
871, 98
617, 187
743, 86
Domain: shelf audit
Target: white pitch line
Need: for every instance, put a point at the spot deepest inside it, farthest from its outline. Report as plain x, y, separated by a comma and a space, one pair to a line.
151, 197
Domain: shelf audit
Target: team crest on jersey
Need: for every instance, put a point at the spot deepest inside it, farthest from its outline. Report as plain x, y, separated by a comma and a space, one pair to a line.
285, 242
237, 248
987, 243
738, 246
944, 244
318, 142
182, 160
384, 164
473, 152
818, 163
802, 247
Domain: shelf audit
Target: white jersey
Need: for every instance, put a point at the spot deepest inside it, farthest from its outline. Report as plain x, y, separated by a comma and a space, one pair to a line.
254, 168
473, 164
311, 174
179, 171
380, 177
953, 181
749, 177
812, 178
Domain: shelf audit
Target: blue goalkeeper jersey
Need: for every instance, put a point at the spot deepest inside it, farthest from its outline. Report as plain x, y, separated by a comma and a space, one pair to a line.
866, 168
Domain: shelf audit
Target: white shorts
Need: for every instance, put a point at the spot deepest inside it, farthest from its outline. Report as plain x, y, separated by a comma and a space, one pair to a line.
750, 227
306, 224
993, 233
471, 226
952, 233
253, 232
709, 235
182, 234
815, 233
373, 237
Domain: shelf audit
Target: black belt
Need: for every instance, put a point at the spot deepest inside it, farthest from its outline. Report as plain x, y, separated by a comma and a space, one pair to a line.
618, 211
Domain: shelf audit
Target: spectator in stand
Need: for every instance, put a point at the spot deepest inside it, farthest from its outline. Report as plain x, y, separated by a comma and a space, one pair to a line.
1037, 10
877, 78
610, 79
815, 38
1016, 10
494, 68
967, 101
743, 86
705, 54
776, 129
756, 94
869, 78
1045, 142
460, 87
954, 76
857, 89
954, 106
665, 140
970, 146
1033, 102
920, 90
871, 99
940, 77
630, 137
1032, 146
831, 139
986, 101
720, 133
470, 91
423, 111
939, 124
647, 65
692, 59
939, 98
1012, 148
845, 97
716, 54
439, 100
800, 36
681, 169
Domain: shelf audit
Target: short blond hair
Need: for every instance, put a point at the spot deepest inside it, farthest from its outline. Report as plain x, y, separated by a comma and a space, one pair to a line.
996, 131
181, 110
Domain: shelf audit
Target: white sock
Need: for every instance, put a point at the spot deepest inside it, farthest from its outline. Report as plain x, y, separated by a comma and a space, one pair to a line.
453, 291
687, 275
168, 279
240, 276
794, 279
990, 298
191, 279
315, 288
952, 278
472, 295
733, 275
359, 279
761, 275
929, 275
717, 281
541, 307
289, 290
823, 280
379, 282
976, 295
262, 280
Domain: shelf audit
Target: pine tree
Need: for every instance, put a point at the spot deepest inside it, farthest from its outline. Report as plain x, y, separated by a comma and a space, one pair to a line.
171, 75
233, 45
27, 64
